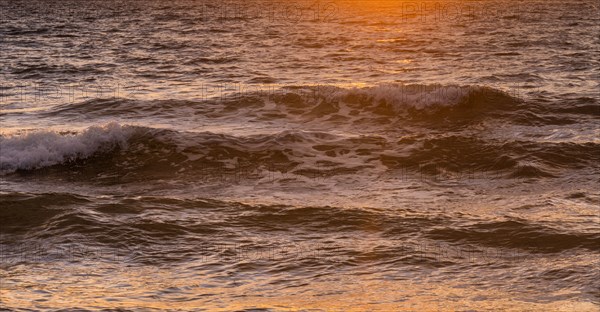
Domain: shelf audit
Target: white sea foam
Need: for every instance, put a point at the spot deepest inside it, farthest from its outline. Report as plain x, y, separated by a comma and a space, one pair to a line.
44, 148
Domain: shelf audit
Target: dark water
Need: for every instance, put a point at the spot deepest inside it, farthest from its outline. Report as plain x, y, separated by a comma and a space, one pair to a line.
336, 156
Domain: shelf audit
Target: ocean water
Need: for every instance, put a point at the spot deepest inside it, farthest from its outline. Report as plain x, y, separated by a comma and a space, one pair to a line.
300, 155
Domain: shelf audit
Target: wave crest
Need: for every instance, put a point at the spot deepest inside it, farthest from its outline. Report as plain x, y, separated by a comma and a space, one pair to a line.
34, 150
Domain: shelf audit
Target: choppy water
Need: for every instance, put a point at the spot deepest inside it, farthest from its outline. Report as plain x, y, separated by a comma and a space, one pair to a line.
342, 155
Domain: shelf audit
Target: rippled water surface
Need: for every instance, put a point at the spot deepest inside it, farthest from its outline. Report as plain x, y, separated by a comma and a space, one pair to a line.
300, 156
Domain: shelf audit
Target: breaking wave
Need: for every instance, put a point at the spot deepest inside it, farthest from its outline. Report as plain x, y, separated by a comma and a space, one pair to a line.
155, 152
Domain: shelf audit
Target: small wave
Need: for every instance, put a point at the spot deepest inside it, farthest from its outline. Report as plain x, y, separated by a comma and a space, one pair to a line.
420, 96
315, 102
411, 101
517, 234
52, 214
107, 107
21, 31
22, 211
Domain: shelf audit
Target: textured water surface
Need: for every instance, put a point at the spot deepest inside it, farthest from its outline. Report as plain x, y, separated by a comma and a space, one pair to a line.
284, 156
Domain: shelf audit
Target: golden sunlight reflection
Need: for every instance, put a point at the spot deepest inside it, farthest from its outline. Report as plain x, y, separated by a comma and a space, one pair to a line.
131, 288
301, 155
